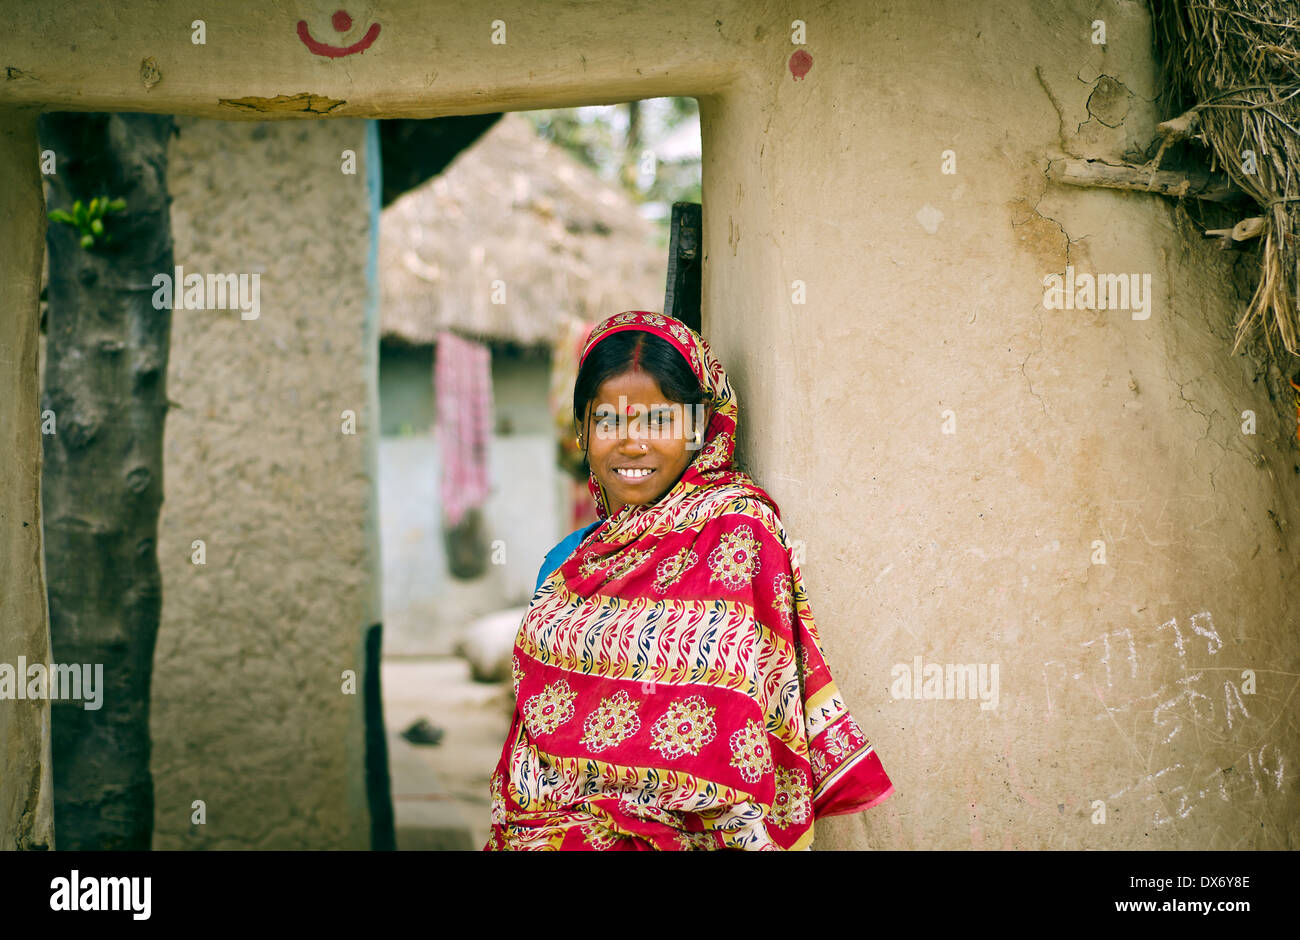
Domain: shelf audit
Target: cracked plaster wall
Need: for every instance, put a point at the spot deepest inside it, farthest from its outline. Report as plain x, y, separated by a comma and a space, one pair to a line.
1119, 682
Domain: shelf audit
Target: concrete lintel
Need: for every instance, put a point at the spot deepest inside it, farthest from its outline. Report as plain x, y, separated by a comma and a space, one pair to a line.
425, 60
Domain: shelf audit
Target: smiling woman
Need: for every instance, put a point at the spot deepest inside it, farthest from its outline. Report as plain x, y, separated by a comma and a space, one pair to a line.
672, 691
642, 415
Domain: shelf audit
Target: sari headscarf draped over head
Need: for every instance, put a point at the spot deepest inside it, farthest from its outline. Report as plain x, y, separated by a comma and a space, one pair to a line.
672, 692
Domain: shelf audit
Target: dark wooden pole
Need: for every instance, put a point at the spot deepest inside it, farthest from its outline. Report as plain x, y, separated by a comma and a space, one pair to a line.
685, 261
102, 486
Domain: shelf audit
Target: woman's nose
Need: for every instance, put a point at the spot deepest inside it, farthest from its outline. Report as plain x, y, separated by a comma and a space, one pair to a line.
634, 437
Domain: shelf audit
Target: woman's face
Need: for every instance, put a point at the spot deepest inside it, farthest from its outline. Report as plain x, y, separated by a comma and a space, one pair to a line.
638, 442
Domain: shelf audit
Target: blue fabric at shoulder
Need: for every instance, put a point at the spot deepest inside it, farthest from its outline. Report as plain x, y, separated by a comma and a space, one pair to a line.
561, 552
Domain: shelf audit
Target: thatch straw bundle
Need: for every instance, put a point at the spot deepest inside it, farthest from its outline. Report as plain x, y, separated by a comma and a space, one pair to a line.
1235, 66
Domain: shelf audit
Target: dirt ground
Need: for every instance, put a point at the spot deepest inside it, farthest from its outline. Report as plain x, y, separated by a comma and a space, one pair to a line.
440, 792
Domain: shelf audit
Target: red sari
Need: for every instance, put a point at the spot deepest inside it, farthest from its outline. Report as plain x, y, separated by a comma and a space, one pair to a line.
672, 692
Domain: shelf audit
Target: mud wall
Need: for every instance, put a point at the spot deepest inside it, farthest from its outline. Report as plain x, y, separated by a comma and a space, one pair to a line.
1065, 494
262, 466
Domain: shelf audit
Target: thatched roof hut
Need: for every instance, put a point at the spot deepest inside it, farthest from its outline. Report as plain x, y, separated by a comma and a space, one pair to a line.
514, 214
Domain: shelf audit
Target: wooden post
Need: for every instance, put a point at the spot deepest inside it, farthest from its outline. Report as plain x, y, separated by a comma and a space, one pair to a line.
1097, 175
26, 807
685, 258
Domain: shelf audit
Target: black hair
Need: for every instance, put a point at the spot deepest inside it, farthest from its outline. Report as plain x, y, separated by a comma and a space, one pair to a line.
624, 351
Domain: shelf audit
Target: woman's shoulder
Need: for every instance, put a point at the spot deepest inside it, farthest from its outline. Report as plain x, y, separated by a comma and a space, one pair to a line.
562, 550
741, 534
736, 502
571, 541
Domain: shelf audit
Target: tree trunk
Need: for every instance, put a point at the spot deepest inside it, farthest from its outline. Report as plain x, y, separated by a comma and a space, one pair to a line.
106, 383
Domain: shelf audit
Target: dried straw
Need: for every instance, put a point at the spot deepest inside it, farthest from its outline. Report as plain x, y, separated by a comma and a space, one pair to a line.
1234, 65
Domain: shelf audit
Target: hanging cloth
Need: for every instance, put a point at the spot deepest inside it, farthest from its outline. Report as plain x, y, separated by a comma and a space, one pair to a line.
462, 378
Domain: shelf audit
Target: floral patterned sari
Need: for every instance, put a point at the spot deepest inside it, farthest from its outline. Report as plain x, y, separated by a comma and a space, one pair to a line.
672, 692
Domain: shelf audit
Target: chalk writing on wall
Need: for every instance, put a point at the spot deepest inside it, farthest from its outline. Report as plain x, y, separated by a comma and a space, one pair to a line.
1199, 711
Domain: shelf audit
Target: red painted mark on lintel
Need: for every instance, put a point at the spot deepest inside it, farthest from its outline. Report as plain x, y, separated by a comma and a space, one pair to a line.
800, 63
341, 23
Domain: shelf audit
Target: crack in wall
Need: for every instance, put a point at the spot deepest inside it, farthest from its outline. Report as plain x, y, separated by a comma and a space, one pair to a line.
1060, 113
1033, 352
1069, 260
1209, 426
303, 102
1069, 242
1111, 102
